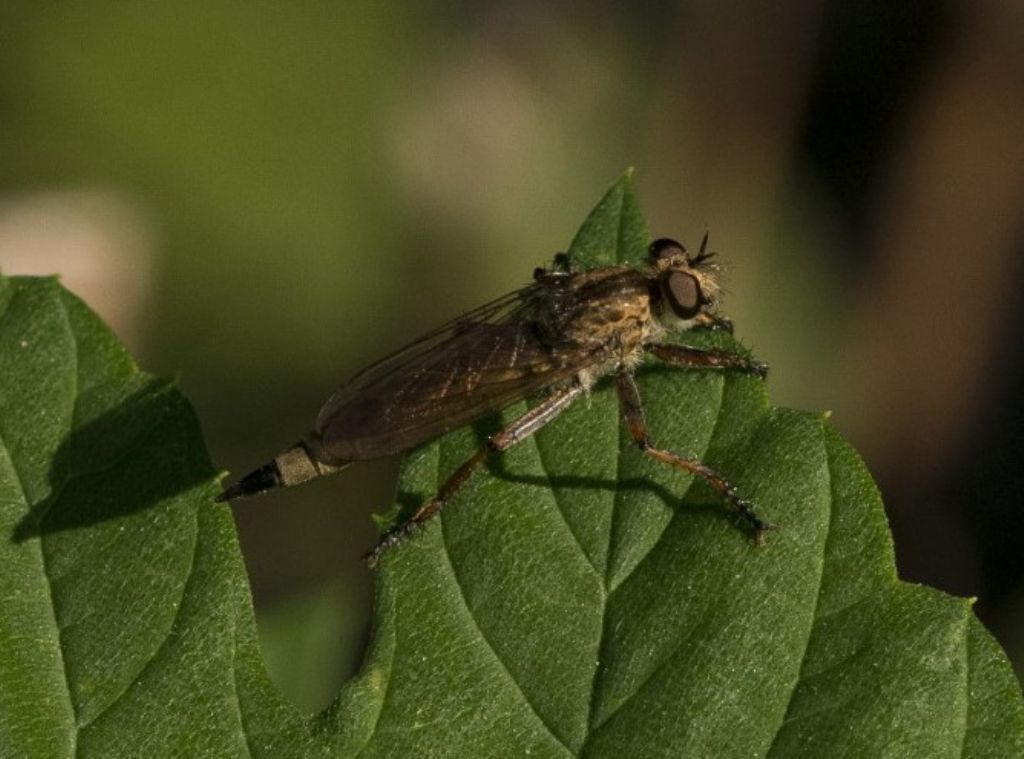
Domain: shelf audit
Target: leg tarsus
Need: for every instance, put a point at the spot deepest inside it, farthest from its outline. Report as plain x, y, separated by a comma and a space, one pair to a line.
746, 511
397, 534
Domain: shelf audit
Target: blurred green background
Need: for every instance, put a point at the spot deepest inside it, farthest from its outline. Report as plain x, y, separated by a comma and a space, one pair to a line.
261, 198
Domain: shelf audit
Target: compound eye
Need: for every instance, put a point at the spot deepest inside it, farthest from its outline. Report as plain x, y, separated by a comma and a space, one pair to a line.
664, 247
683, 294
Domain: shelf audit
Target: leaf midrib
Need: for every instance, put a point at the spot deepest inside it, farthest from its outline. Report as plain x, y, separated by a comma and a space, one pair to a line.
56, 632
829, 534
453, 572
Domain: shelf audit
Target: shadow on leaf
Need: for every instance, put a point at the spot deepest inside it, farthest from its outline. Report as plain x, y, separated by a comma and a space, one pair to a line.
135, 455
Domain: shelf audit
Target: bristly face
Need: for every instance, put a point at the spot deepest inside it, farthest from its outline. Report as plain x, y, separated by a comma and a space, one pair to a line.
684, 288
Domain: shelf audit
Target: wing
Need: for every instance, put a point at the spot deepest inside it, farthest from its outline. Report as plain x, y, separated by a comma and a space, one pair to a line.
480, 362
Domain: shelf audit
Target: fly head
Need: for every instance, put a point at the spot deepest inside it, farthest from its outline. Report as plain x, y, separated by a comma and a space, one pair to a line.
684, 288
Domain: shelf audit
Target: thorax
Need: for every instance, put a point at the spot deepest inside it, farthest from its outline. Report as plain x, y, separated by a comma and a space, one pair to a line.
608, 306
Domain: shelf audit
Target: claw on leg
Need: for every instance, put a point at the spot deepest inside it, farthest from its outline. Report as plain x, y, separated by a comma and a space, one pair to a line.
392, 537
746, 510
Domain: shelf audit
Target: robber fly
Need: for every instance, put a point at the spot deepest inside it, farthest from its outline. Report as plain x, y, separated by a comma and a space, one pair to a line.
559, 334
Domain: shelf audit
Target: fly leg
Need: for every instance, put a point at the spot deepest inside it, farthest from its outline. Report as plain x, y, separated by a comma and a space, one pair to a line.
518, 430
633, 414
693, 358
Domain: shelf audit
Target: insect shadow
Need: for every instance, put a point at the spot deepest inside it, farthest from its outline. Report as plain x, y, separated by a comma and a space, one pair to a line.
694, 498
138, 454
408, 501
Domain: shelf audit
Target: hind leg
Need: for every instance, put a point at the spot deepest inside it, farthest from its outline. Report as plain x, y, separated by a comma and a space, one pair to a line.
518, 430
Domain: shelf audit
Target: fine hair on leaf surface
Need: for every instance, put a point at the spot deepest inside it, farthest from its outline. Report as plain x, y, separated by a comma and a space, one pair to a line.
574, 599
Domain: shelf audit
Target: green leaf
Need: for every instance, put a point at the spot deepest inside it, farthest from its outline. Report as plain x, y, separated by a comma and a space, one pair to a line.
574, 599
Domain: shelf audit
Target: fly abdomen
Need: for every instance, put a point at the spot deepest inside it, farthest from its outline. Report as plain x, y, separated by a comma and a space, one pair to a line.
296, 465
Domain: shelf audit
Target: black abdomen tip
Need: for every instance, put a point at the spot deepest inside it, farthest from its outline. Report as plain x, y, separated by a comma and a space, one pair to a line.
259, 481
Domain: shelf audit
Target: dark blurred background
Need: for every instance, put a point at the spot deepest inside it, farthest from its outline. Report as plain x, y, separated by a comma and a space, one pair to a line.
263, 197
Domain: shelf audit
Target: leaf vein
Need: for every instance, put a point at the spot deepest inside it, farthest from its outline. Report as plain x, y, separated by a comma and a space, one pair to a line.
487, 643
383, 701
42, 552
49, 589
967, 684
677, 515
559, 505
829, 534
238, 698
167, 636
602, 640
682, 495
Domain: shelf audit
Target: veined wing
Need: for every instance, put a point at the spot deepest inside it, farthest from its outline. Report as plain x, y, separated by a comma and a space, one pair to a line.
509, 307
478, 363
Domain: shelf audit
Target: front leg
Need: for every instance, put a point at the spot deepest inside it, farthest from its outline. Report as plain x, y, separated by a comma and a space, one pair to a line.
633, 415
700, 358
714, 323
